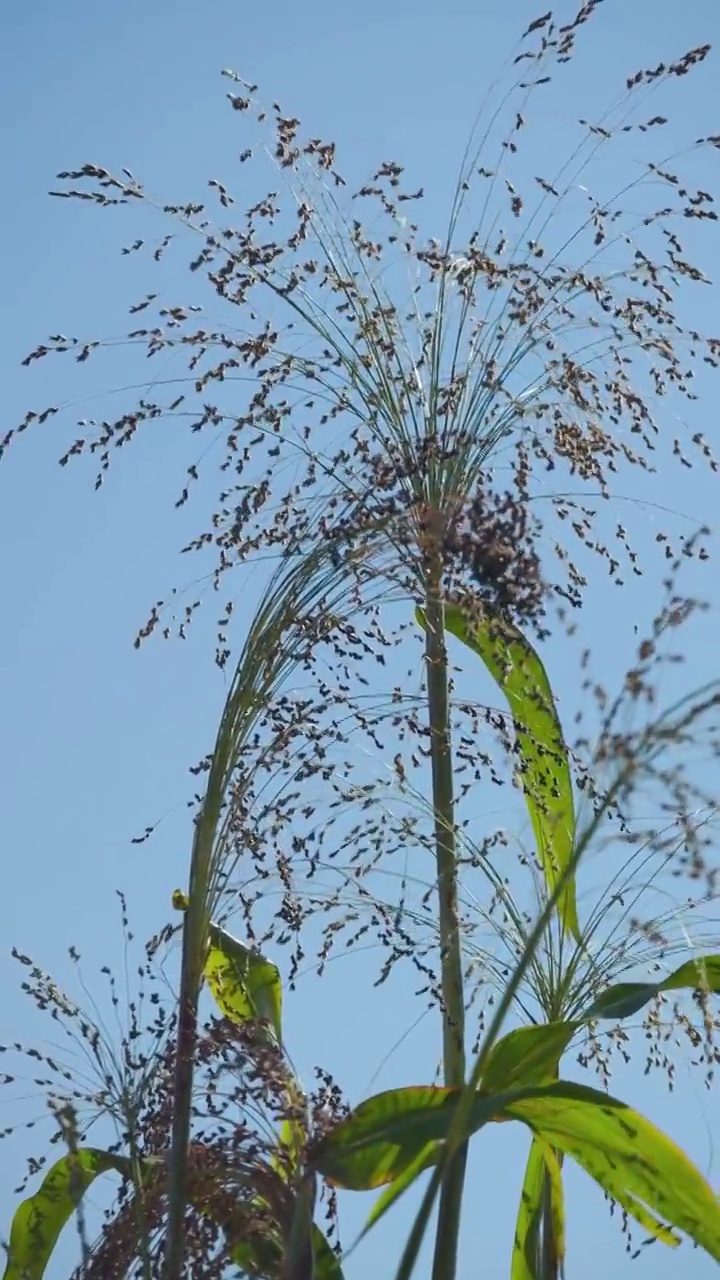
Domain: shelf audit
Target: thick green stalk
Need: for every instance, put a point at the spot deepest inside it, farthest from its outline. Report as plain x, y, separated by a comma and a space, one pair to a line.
182, 1107
453, 1014
549, 1261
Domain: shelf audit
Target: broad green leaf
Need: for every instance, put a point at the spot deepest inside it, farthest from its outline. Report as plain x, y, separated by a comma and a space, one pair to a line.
389, 1132
526, 1245
425, 1160
263, 1259
626, 1155
544, 765
623, 999
327, 1263
702, 974
635, 1163
260, 1257
244, 984
39, 1220
531, 1055
554, 1241
527, 1056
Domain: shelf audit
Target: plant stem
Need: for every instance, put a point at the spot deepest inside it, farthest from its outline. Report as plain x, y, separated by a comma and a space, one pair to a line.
551, 1262
453, 1143
453, 1012
548, 1268
182, 1106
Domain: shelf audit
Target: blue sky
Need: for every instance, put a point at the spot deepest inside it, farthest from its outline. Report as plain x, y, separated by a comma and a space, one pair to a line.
95, 738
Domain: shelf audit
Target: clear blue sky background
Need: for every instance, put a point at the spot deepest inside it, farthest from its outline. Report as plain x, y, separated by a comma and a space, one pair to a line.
94, 738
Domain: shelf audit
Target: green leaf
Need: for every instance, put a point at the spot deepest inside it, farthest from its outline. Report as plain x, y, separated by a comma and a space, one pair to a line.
291, 1140
527, 1056
553, 1245
263, 1259
246, 987
425, 1160
531, 1055
39, 1220
635, 1163
627, 1156
391, 1131
623, 999
702, 974
327, 1263
544, 765
525, 1263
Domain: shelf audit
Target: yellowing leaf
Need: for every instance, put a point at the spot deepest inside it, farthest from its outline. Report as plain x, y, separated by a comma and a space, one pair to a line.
424, 1160
389, 1132
525, 1263
554, 1229
637, 1164
543, 757
39, 1220
526, 1056
246, 987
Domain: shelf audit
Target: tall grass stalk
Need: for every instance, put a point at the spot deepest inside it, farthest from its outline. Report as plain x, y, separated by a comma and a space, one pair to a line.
300, 607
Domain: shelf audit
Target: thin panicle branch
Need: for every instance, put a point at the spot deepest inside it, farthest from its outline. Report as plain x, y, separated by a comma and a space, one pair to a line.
301, 610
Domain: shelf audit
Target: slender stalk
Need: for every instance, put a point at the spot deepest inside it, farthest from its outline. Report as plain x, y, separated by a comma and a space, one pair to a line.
548, 1250
277, 639
550, 1259
453, 1013
182, 1108
454, 1144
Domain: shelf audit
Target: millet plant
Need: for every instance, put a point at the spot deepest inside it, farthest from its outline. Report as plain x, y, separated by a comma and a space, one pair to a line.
384, 409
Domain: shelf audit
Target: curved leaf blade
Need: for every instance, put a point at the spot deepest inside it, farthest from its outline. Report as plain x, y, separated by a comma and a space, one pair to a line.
327, 1263
524, 1057
628, 1157
702, 974
623, 999
527, 1056
545, 769
425, 1160
38, 1221
389, 1132
263, 1258
553, 1243
632, 1160
245, 986
525, 1264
